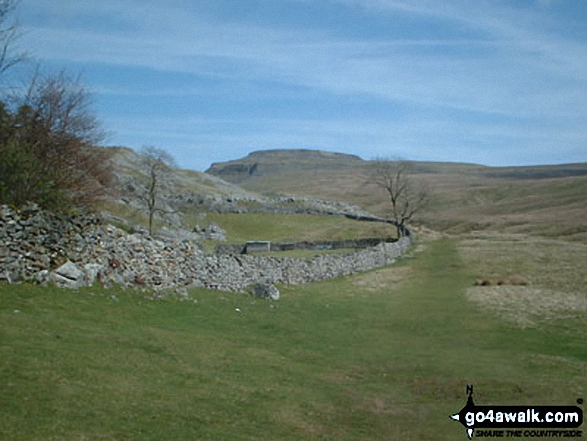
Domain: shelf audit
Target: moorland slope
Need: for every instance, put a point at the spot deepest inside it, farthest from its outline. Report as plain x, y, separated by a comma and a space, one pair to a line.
548, 200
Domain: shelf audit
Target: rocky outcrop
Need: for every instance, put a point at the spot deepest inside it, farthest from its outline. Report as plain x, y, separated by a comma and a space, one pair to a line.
190, 201
80, 250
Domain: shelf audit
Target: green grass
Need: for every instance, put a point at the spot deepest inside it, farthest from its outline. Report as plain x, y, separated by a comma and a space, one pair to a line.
294, 227
242, 227
327, 361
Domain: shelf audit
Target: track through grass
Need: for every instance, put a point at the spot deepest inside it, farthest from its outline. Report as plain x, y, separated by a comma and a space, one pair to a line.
328, 361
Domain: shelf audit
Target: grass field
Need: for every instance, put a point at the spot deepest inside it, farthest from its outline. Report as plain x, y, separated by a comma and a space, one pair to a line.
294, 227
383, 355
241, 227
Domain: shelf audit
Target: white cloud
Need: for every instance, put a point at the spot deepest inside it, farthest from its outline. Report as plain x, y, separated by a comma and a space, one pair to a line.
321, 61
502, 63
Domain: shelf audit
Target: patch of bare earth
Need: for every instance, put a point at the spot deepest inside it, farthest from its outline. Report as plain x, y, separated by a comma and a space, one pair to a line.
379, 405
424, 234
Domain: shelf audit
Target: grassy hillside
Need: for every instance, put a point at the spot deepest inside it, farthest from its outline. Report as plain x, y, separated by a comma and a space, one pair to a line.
550, 207
543, 200
546, 200
381, 355
187, 198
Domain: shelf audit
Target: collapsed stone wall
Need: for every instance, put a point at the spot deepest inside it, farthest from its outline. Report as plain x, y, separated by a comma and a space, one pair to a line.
80, 250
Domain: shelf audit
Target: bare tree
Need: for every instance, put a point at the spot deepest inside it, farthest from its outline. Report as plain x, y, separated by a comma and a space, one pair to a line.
156, 164
405, 197
9, 34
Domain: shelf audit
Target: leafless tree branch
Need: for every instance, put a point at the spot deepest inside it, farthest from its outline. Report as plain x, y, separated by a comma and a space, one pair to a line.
9, 35
406, 199
156, 163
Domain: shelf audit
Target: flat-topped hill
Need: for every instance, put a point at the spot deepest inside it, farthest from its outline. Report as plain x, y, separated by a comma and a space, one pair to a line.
262, 163
272, 162
545, 199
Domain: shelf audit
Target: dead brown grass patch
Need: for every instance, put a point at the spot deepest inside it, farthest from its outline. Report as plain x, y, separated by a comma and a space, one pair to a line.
380, 406
545, 263
527, 280
528, 306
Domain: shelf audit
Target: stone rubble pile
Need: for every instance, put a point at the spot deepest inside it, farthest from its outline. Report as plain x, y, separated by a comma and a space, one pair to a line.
211, 232
80, 251
33, 241
249, 204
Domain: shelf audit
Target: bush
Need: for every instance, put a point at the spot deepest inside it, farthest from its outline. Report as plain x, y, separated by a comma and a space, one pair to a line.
47, 145
21, 181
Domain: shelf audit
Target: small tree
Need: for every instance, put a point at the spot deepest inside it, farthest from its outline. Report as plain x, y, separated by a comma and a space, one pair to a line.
48, 145
48, 134
155, 163
404, 196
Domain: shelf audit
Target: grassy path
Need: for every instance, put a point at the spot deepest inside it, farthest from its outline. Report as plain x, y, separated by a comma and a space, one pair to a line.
331, 360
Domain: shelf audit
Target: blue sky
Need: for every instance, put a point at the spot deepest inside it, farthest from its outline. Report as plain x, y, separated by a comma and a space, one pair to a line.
493, 82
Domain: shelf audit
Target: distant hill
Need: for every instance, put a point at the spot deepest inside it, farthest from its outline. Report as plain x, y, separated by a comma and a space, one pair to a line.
275, 162
549, 200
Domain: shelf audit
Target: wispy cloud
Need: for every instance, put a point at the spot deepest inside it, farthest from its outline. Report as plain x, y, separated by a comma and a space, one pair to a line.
486, 60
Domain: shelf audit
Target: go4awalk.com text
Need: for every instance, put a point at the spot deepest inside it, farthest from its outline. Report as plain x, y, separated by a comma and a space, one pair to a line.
520, 421
535, 433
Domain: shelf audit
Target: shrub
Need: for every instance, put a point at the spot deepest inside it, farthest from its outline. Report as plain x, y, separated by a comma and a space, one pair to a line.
47, 144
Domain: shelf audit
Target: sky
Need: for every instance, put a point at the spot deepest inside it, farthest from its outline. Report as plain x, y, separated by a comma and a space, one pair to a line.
492, 82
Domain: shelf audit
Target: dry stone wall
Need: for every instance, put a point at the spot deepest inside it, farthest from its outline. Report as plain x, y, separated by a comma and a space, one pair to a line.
304, 245
81, 251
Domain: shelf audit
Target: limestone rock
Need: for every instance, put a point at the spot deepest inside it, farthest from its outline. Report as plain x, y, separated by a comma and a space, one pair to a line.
176, 235
68, 275
42, 277
265, 291
92, 272
211, 232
